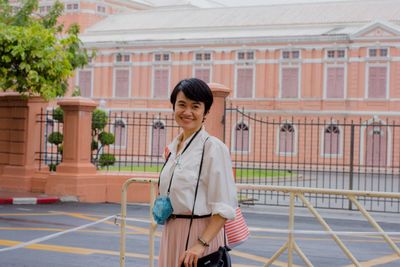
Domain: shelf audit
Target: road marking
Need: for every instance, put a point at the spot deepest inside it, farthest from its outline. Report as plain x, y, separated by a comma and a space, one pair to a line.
31, 214
57, 230
379, 261
72, 250
377, 239
258, 258
141, 230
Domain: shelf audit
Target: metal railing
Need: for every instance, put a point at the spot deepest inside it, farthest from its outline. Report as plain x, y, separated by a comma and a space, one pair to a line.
294, 192
300, 192
153, 225
332, 152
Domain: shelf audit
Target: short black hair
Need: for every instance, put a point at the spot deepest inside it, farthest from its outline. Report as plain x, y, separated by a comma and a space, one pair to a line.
194, 89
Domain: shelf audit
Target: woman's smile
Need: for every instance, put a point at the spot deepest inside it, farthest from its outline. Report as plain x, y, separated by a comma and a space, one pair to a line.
189, 114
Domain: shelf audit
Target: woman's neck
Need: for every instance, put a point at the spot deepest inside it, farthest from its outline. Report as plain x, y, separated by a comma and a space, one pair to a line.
186, 134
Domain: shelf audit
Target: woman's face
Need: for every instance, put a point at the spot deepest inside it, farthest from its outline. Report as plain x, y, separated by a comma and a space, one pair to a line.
189, 114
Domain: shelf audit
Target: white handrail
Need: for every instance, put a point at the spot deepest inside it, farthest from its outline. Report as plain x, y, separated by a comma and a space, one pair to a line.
293, 192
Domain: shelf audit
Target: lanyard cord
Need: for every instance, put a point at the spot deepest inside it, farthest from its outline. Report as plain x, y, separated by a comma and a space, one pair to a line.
195, 193
172, 176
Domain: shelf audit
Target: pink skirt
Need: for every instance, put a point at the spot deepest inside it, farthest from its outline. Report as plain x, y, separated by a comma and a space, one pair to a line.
174, 236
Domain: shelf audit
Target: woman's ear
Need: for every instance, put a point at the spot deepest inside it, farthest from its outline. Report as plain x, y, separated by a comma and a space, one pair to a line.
205, 116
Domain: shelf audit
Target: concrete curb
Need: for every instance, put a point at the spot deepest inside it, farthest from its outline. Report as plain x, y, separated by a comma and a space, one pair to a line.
36, 200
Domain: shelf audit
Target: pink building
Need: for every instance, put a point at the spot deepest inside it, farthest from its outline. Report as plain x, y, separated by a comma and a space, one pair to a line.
317, 85
329, 62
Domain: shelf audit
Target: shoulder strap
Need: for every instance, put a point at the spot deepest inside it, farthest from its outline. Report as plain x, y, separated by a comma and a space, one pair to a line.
195, 193
162, 168
172, 176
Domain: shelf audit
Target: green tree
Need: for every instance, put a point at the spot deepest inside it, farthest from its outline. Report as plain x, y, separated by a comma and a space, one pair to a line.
101, 138
36, 55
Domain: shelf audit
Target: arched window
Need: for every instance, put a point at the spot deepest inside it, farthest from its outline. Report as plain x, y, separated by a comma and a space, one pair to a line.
286, 138
120, 133
376, 145
158, 141
242, 137
331, 140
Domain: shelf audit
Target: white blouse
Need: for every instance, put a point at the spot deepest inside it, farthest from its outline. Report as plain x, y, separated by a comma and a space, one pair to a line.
217, 190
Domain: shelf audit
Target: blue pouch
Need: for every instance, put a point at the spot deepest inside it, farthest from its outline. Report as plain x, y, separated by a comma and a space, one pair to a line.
162, 209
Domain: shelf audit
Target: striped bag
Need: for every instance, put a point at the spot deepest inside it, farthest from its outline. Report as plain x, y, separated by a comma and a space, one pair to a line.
236, 230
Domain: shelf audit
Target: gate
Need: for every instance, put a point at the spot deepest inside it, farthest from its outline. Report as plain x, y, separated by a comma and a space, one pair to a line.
315, 151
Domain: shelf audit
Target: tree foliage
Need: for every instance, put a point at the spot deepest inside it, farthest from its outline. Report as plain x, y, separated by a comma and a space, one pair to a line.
36, 55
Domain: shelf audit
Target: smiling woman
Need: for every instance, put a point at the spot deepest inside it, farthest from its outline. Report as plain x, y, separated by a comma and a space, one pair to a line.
197, 178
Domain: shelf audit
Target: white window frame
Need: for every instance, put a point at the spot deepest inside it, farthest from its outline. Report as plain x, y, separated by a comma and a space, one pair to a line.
122, 59
389, 148
101, 6
73, 9
335, 50
91, 77
150, 145
367, 66
162, 61
113, 132
202, 66
246, 60
298, 81
253, 90
202, 61
378, 56
290, 59
294, 153
322, 144
325, 87
115, 81
233, 134
157, 67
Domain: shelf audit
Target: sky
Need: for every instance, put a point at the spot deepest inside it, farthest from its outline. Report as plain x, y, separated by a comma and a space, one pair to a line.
221, 3
269, 2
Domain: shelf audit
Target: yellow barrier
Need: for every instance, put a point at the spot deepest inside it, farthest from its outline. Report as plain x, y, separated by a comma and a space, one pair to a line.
153, 225
290, 244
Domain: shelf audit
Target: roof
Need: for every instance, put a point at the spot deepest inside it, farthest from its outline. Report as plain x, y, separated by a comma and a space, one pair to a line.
307, 19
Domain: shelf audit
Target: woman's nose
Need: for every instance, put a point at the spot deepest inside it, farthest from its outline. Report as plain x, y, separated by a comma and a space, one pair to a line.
187, 111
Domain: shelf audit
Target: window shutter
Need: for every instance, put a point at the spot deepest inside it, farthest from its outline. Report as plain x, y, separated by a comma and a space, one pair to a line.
161, 83
331, 143
120, 133
335, 82
202, 74
242, 138
122, 83
158, 139
85, 82
377, 82
290, 82
244, 82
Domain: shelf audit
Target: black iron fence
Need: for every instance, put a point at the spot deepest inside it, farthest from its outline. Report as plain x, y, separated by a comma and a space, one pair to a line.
323, 152
139, 140
50, 153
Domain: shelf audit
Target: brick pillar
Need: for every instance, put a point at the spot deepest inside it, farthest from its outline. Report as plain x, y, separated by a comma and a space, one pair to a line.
19, 140
214, 122
76, 175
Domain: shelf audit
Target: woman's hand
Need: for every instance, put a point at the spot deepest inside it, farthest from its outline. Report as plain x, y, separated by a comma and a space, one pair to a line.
191, 256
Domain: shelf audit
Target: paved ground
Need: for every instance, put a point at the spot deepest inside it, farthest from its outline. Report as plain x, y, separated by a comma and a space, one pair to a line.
98, 245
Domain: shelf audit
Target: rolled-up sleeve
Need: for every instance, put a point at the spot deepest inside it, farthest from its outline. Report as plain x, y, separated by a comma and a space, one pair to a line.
221, 188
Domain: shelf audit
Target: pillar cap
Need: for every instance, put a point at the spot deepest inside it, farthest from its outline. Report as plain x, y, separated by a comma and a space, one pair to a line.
219, 89
77, 101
